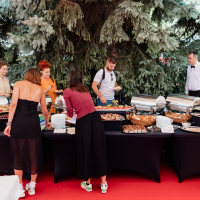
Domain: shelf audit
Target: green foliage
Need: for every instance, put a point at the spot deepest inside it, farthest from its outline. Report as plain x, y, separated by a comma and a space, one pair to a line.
80, 35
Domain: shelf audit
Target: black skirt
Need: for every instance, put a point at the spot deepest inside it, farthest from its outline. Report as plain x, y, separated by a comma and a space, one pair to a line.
91, 147
26, 138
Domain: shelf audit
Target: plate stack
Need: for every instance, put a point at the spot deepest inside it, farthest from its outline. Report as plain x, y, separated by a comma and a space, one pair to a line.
58, 121
163, 121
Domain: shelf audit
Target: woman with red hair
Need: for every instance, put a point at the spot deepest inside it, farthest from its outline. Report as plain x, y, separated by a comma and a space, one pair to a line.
48, 84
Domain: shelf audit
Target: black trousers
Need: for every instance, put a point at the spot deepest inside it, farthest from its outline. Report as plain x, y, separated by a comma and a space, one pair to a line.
194, 93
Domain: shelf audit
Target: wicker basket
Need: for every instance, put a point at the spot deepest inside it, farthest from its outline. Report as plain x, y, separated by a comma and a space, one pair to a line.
140, 122
178, 120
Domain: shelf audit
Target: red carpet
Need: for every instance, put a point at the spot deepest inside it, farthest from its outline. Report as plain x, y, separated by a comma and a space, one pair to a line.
122, 184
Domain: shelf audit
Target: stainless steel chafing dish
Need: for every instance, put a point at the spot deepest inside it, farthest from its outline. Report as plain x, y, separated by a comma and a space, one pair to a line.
60, 103
48, 103
149, 103
182, 103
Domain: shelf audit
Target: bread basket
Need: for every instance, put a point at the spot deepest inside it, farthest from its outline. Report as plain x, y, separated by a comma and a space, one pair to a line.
142, 122
178, 118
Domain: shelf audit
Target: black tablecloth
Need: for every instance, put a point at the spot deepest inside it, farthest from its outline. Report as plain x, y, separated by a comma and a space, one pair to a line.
64, 150
136, 152
139, 153
183, 150
5, 156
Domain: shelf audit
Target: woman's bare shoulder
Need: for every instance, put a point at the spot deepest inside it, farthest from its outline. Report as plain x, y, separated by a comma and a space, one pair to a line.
18, 83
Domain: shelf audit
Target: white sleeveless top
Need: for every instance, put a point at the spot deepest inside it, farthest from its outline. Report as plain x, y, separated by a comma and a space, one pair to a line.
4, 85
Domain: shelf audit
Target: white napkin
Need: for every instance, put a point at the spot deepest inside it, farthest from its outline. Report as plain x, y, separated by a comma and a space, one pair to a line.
59, 130
72, 120
167, 129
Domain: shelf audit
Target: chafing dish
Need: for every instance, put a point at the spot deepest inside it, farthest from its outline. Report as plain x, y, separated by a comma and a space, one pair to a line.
60, 103
48, 103
182, 103
149, 103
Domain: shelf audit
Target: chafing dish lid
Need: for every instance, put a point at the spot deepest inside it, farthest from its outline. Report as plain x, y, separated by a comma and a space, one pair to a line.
183, 100
148, 100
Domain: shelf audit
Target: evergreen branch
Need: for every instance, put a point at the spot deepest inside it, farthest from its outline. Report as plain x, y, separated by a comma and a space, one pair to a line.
85, 59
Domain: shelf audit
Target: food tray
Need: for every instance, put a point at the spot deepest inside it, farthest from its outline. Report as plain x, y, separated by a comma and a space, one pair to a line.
117, 120
133, 132
196, 108
4, 112
195, 114
113, 110
184, 129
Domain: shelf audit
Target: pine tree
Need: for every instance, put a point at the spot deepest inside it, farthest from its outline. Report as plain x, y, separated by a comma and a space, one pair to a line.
81, 34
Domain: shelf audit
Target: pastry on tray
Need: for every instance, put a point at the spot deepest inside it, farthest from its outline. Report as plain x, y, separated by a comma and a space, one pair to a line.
178, 116
143, 117
134, 129
111, 116
4, 108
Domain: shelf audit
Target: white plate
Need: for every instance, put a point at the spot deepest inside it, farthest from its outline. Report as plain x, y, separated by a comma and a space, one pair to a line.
184, 129
115, 88
58, 92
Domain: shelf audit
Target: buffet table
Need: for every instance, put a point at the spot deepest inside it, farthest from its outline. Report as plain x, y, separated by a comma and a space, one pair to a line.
5, 156
136, 152
183, 150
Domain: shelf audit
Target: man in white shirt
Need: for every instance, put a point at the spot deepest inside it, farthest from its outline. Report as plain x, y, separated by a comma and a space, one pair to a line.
193, 76
105, 79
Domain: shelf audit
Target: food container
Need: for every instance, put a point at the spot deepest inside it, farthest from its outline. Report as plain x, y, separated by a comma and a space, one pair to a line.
149, 103
48, 103
145, 120
60, 104
134, 129
113, 125
182, 103
178, 117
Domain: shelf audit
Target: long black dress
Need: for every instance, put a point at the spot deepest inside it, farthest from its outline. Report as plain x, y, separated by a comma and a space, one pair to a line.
26, 138
91, 146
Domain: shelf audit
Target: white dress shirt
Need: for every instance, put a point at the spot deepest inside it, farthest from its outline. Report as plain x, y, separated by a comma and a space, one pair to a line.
193, 78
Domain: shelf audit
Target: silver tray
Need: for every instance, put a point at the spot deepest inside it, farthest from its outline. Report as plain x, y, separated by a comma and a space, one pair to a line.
184, 129
195, 114
134, 133
117, 120
113, 110
196, 108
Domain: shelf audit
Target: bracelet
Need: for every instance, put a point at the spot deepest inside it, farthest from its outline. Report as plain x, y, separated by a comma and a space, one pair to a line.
9, 123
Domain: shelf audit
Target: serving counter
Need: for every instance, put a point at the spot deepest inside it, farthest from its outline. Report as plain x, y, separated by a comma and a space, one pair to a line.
136, 152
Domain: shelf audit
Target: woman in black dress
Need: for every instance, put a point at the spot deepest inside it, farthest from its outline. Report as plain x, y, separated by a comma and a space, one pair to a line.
90, 135
24, 130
